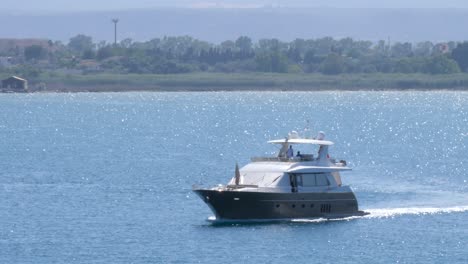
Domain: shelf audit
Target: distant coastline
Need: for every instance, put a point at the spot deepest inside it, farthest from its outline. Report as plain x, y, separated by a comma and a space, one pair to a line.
183, 63
246, 82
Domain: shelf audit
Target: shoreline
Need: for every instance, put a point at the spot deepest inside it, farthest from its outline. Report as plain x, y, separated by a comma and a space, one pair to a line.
255, 82
123, 89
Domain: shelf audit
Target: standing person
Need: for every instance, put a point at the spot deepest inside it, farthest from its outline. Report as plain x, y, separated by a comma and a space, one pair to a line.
290, 152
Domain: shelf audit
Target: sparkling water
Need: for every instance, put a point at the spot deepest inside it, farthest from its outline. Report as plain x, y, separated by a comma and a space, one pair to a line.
106, 177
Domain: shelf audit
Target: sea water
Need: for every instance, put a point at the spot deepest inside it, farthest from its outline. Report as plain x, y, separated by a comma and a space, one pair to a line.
106, 177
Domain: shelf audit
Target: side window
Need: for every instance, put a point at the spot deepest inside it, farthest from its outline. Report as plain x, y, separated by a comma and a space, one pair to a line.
312, 179
299, 179
308, 180
321, 180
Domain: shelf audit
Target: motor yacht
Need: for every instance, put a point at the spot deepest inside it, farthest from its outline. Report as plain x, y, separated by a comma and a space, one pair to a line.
288, 185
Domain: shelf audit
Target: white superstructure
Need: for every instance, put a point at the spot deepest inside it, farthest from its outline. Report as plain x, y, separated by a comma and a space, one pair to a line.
311, 172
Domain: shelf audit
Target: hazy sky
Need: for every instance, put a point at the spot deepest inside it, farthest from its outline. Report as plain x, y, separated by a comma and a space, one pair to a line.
81, 5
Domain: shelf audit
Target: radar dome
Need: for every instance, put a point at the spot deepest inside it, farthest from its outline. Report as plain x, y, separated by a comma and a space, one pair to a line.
321, 135
293, 135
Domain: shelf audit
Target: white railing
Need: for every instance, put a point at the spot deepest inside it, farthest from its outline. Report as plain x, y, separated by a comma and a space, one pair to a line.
304, 157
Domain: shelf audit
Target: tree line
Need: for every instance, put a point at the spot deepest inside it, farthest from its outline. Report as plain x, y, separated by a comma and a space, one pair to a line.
184, 54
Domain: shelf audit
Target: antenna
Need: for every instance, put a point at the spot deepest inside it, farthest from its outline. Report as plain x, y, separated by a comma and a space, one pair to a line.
115, 21
389, 48
307, 129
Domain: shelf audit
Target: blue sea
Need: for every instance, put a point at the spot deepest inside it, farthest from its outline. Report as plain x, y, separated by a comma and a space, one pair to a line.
107, 177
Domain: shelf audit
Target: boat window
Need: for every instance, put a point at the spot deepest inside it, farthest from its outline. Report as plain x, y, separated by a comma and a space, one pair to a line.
308, 180
321, 180
299, 180
312, 179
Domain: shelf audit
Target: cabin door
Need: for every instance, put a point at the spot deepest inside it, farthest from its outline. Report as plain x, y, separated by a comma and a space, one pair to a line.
293, 181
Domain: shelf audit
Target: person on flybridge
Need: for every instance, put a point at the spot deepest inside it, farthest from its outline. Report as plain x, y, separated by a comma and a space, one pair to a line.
290, 153
287, 150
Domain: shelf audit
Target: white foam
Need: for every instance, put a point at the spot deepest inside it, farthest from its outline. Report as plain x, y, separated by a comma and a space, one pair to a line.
392, 212
373, 213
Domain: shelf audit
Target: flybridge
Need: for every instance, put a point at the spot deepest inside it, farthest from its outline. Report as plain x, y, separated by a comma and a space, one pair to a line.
301, 141
286, 153
294, 138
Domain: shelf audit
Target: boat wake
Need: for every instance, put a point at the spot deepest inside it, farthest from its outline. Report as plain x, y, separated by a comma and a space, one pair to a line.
391, 212
394, 212
373, 213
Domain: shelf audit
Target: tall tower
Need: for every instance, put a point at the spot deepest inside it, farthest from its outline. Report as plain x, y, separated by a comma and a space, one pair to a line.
115, 21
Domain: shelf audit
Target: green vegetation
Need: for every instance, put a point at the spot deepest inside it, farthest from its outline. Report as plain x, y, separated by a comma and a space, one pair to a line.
174, 63
251, 81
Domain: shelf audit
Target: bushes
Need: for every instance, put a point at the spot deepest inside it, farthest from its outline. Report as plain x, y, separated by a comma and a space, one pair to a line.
324, 55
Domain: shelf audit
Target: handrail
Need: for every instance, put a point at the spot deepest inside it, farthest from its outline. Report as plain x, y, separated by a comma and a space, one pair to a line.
305, 157
294, 159
240, 186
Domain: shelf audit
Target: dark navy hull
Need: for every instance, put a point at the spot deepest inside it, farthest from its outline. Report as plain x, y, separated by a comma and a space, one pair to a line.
236, 205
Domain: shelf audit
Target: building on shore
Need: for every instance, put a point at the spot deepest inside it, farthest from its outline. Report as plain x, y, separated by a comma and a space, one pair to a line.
14, 84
